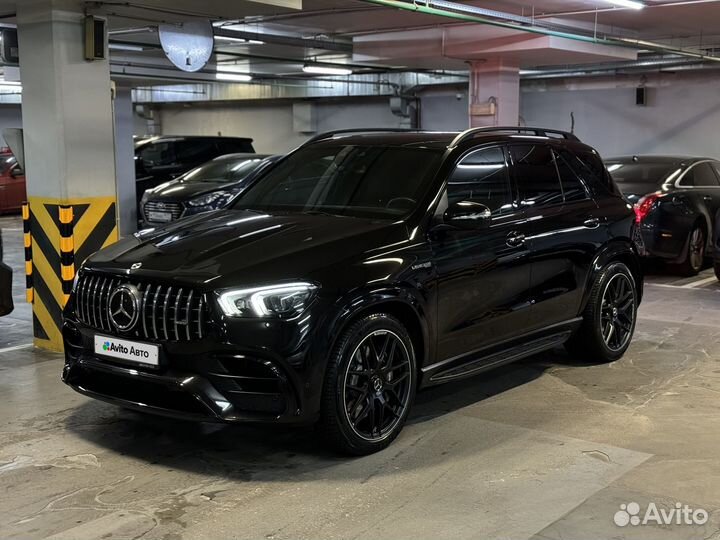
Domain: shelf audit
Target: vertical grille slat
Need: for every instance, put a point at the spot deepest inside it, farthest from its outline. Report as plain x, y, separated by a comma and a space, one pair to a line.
168, 313
146, 297
177, 313
200, 314
87, 299
188, 314
94, 298
79, 300
154, 311
103, 285
165, 312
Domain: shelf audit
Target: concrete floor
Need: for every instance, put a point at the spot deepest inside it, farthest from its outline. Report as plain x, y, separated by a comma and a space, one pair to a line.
541, 449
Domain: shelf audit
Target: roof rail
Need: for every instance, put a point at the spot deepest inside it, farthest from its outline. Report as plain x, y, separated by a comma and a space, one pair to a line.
538, 132
330, 134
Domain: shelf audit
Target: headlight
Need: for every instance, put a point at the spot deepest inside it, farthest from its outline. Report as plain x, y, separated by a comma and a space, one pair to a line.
282, 300
215, 199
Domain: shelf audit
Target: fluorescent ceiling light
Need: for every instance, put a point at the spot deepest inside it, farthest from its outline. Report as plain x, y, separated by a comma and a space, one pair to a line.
124, 47
244, 41
237, 77
326, 70
632, 4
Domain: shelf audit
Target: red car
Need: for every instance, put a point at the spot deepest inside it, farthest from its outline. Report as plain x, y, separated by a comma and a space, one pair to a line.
12, 184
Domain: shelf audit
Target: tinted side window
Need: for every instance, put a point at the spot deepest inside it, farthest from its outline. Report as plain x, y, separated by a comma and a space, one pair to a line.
482, 176
591, 169
536, 175
572, 186
700, 175
196, 151
716, 167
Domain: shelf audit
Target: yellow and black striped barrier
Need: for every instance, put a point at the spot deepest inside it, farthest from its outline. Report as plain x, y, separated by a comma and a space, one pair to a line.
62, 231
67, 251
27, 240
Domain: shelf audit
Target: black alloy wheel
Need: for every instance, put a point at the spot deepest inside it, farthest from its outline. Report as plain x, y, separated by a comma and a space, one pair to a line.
617, 318
370, 385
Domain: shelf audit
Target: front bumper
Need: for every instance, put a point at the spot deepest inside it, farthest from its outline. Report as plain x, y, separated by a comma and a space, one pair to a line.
207, 380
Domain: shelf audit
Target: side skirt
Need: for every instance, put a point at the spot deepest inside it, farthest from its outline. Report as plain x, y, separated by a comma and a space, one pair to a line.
484, 360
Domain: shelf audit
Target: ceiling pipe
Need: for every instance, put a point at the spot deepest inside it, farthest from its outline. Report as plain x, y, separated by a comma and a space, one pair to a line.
611, 41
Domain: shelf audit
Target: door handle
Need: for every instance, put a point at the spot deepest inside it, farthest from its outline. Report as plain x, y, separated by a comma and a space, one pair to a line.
707, 198
515, 239
592, 223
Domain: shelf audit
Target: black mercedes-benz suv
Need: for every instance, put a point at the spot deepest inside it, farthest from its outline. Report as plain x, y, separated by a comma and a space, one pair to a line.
361, 267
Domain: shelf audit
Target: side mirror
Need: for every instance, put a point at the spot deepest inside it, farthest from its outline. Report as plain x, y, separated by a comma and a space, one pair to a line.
467, 215
17, 171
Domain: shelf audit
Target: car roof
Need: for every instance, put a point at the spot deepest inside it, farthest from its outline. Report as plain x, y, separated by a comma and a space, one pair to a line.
657, 159
170, 138
245, 155
427, 139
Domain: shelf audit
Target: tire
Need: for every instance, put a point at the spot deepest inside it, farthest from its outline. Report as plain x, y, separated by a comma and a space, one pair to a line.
366, 400
716, 266
695, 256
612, 302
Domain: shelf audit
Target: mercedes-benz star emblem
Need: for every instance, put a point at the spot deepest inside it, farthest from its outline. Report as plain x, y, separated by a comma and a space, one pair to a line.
124, 307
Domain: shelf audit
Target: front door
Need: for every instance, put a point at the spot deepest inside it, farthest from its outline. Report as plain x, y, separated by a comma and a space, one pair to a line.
483, 273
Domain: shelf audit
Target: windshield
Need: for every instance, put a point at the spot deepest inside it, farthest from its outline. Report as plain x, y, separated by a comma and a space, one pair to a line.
225, 170
640, 173
360, 181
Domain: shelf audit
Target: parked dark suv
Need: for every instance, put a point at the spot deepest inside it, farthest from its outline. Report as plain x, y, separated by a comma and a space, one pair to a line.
363, 266
159, 159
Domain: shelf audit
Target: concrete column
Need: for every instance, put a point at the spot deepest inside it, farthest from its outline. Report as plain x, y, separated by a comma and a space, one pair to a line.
69, 151
494, 93
124, 159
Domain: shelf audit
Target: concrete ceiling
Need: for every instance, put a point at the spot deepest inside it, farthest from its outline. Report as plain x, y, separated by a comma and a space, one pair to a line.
412, 41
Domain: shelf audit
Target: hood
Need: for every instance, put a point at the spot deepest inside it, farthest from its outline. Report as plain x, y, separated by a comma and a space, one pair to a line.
238, 247
182, 190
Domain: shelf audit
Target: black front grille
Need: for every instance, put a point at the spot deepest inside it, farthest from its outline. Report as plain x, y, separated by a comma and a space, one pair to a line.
167, 312
174, 208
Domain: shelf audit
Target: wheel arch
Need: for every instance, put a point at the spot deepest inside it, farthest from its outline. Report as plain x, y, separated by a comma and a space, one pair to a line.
620, 250
398, 302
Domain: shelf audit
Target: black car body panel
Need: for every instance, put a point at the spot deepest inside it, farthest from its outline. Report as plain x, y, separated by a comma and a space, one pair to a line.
162, 158
471, 298
6, 299
685, 192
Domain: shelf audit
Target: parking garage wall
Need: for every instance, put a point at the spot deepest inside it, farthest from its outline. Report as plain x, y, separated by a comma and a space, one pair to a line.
10, 117
681, 116
271, 125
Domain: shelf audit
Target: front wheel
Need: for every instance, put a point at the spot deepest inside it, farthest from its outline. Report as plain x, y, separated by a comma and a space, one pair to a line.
609, 317
369, 385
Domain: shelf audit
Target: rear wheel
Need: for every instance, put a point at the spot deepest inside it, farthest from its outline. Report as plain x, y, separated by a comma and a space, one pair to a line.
716, 266
695, 254
609, 317
369, 385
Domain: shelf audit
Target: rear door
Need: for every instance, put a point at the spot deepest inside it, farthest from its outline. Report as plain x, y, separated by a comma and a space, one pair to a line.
565, 231
483, 274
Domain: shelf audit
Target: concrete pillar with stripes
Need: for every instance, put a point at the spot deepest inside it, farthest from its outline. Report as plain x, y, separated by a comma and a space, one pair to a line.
69, 155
